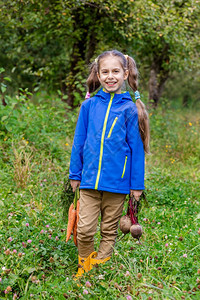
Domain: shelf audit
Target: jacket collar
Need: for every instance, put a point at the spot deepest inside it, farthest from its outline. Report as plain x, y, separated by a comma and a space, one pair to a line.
117, 97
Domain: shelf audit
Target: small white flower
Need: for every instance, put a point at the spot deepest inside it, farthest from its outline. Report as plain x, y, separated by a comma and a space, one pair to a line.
101, 277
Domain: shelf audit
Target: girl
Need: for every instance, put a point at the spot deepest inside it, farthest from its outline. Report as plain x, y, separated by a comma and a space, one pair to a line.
107, 159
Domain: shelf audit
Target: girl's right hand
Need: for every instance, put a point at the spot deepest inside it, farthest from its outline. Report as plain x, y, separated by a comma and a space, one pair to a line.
75, 184
136, 194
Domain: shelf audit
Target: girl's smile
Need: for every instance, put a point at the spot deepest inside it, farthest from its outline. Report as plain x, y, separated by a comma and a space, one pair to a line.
111, 74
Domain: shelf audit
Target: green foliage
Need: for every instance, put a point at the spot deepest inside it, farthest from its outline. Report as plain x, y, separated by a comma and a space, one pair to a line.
66, 198
171, 131
166, 28
48, 45
36, 262
35, 124
183, 89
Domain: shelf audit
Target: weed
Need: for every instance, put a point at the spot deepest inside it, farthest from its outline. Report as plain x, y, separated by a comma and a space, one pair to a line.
22, 167
35, 261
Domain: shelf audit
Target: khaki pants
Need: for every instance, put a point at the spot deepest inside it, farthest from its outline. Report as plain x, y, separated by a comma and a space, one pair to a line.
92, 203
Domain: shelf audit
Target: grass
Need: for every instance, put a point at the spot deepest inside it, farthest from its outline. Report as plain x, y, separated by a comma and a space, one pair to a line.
35, 261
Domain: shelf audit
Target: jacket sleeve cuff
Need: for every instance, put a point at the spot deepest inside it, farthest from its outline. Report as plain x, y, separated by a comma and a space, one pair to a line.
137, 188
75, 177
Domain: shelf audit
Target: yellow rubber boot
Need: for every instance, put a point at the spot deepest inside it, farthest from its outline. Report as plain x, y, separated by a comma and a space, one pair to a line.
84, 264
95, 261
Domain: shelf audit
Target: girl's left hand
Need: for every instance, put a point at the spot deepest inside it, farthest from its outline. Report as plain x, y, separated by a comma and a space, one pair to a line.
75, 184
136, 194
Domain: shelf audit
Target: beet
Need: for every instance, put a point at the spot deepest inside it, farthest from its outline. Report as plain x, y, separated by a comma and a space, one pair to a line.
129, 222
136, 231
125, 224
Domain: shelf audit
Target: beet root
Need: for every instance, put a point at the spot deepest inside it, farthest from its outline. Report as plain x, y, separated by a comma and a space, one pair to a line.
136, 231
125, 224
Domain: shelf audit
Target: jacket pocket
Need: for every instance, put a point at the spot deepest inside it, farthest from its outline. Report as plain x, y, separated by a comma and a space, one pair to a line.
111, 128
124, 169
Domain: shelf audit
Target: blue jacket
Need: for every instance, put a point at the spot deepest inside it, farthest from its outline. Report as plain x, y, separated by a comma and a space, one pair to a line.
107, 152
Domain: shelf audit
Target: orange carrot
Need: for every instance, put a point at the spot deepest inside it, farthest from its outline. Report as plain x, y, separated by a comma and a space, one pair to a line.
76, 223
73, 218
75, 233
77, 211
71, 221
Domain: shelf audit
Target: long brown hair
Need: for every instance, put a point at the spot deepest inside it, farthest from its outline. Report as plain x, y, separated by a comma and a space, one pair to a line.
128, 63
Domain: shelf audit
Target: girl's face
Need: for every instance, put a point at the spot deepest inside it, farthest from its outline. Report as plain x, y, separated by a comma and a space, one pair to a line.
111, 74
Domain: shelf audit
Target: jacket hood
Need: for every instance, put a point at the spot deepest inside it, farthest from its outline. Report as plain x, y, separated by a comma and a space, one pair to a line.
118, 98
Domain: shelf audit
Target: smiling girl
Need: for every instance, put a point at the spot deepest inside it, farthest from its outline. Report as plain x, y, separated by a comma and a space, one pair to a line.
107, 159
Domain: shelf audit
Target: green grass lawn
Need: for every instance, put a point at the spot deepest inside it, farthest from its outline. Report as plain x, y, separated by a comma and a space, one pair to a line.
35, 261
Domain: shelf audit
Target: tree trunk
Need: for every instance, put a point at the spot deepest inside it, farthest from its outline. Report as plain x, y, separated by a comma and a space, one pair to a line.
91, 47
82, 52
2, 99
158, 77
153, 88
185, 100
76, 58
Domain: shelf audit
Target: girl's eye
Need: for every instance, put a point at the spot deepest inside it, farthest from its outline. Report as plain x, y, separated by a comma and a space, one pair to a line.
116, 71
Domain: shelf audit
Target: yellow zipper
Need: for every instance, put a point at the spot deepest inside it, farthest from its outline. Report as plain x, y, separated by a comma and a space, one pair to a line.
124, 167
102, 140
113, 124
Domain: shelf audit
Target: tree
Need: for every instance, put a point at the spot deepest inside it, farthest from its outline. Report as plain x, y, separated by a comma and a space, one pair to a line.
165, 38
52, 42
49, 44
